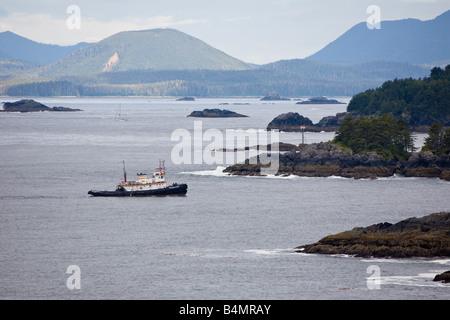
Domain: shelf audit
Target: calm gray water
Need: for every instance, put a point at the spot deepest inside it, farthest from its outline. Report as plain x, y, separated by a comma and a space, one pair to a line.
229, 238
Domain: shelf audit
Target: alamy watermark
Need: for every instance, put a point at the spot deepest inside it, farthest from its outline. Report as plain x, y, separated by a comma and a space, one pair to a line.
74, 280
374, 281
213, 147
374, 20
74, 20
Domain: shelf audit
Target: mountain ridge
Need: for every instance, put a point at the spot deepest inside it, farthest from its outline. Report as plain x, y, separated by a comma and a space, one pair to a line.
17, 47
408, 40
156, 49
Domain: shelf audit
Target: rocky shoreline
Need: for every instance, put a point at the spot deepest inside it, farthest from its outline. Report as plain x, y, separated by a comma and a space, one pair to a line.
326, 159
427, 236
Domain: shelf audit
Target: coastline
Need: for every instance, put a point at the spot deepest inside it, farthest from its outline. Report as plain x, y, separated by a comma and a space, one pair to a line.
326, 159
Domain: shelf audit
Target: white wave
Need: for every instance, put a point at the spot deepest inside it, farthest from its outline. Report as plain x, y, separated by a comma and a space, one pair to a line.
291, 176
218, 172
390, 260
420, 280
408, 261
269, 251
396, 177
441, 261
338, 177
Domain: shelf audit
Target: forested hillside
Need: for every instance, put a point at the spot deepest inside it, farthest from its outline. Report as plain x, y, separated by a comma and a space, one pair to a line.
290, 78
420, 102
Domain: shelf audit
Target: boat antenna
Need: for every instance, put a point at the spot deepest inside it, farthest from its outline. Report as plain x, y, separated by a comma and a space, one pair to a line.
124, 172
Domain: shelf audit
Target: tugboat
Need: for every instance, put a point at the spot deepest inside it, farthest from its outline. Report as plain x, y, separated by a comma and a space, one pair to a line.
144, 186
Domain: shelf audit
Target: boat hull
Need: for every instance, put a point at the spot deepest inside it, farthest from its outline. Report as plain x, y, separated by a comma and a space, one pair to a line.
173, 190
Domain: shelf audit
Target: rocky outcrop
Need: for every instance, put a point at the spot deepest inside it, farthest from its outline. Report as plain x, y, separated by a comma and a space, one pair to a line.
332, 123
216, 113
292, 121
29, 105
186, 99
443, 277
426, 164
428, 236
320, 100
273, 96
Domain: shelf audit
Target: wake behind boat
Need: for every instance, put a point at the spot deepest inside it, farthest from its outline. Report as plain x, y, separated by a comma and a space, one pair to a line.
144, 186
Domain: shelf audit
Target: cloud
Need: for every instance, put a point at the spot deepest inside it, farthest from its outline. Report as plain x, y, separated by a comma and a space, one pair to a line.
235, 19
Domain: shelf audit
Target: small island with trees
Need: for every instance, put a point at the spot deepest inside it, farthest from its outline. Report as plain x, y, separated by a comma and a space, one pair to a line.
29, 105
186, 99
216, 113
320, 100
274, 96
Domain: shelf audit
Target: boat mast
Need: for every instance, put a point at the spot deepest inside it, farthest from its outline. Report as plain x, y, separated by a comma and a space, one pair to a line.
162, 168
124, 172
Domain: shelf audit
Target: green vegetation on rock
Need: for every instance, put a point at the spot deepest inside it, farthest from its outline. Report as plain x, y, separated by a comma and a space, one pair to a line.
385, 135
438, 140
419, 102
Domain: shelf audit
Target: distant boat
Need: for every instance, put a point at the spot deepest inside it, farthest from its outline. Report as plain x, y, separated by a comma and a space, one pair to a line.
144, 186
120, 116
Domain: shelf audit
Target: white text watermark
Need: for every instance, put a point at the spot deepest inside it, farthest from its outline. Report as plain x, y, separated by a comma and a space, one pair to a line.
213, 147
374, 20
74, 280
74, 20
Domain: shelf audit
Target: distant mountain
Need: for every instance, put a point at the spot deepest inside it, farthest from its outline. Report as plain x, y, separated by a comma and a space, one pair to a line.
156, 49
14, 47
167, 62
410, 40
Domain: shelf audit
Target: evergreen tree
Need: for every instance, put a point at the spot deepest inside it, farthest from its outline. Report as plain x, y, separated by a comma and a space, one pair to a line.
385, 135
438, 140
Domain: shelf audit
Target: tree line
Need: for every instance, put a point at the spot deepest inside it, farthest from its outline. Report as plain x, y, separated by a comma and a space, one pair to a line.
420, 102
438, 140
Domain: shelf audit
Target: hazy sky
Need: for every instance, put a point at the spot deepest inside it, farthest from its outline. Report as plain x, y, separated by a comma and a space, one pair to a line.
256, 31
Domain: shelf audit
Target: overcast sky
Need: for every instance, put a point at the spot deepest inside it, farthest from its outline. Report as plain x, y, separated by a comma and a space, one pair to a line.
256, 31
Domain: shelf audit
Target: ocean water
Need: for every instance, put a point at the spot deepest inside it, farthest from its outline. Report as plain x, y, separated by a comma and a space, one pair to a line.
228, 238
